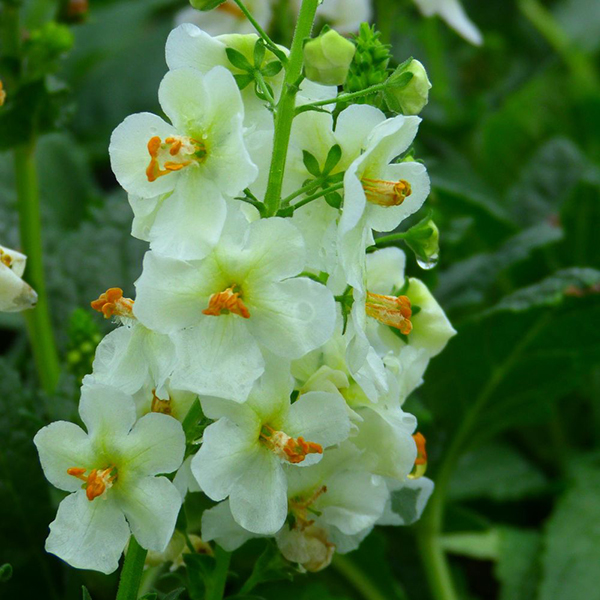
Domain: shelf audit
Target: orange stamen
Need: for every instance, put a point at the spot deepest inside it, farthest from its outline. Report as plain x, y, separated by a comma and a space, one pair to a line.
97, 482
421, 461
299, 507
111, 303
292, 450
390, 310
160, 406
386, 193
227, 301
5, 258
174, 145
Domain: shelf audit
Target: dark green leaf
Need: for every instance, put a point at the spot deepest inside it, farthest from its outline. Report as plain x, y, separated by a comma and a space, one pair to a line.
270, 566
6, 572
333, 158
259, 53
200, 568
243, 79
334, 199
238, 60
175, 594
272, 68
149, 596
311, 163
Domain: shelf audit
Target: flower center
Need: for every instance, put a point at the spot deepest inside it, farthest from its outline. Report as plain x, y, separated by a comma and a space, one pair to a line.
386, 193
421, 460
111, 303
160, 406
173, 154
5, 258
97, 482
300, 507
394, 311
292, 450
227, 301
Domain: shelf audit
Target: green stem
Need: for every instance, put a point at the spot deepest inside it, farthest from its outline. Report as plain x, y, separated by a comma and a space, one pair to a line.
131, 574
357, 578
578, 63
216, 590
262, 33
387, 240
315, 183
345, 97
430, 527
260, 80
38, 319
285, 111
315, 196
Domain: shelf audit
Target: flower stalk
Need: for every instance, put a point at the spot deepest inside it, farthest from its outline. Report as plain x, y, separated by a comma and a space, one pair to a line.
131, 575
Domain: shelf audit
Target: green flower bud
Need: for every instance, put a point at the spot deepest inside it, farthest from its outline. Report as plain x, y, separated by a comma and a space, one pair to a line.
409, 87
327, 58
424, 240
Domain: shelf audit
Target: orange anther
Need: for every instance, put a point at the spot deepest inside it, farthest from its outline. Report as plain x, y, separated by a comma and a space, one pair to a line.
5, 258
182, 147
394, 311
386, 193
112, 303
97, 482
293, 450
77, 472
160, 406
421, 460
227, 301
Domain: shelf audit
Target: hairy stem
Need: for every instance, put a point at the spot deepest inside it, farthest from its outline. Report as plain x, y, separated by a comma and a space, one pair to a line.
131, 574
38, 321
284, 112
216, 590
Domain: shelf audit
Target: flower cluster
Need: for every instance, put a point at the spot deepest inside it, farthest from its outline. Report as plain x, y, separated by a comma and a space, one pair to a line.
267, 355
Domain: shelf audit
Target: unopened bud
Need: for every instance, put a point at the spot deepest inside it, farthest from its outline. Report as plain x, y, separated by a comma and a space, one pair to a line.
424, 240
408, 90
327, 58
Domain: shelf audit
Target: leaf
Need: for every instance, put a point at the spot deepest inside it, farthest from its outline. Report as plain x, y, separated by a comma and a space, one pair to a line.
6, 572
175, 594
238, 60
498, 472
571, 550
206, 5
272, 68
518, 568
200, 568
333, 158
515, 359
311, 163
259, 53
270, 566
477, 545
243, 79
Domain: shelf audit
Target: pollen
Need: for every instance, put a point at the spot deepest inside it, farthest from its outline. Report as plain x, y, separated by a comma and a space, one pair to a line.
160, 406
5, 258
394, 311
112, 303
386, 193
175, 153
290, 449
421, 461
97, 482
225, 302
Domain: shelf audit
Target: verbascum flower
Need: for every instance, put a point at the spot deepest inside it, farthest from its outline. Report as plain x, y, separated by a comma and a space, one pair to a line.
186, 166
111, 473
15, 294
453, 13
244, 455
242, 298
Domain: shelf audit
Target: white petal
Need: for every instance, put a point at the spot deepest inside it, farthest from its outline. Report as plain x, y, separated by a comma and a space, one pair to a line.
219, 358
129, 155
386, 218
226, 452
293, 317
259, 499
88, 535
151, 505
62, 445
407, 501
185, 481
189, 46
15, 294
353, 126
107, 412
156, 444
218, 525
385, 270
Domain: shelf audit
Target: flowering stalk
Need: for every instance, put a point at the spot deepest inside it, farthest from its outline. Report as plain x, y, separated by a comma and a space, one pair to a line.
131, 575
284, 114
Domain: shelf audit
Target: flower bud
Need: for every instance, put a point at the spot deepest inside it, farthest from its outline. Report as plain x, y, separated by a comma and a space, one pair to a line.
408, 98
327, 58
423, 239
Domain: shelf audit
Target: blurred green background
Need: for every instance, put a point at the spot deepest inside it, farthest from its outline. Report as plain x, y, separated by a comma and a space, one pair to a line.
511, 408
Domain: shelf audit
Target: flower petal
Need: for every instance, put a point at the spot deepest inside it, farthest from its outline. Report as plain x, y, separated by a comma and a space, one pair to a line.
189, 46
88, 535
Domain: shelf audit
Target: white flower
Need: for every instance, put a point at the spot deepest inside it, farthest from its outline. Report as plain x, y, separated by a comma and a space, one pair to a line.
183, 171
407, 501
453, 13
243, 454
117, 460
345, 16
243, 297
15, 294
379, 194
227, 17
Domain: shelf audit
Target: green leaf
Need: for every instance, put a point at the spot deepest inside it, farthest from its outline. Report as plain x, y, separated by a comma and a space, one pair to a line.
6, 572
333, 158
259, 53
518, 568
206, 5
572, 553
175, 594
498, 472
272, 68
270, 566
238, 60
477, 545
311, 163
200, 568
243, 79
149, 596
